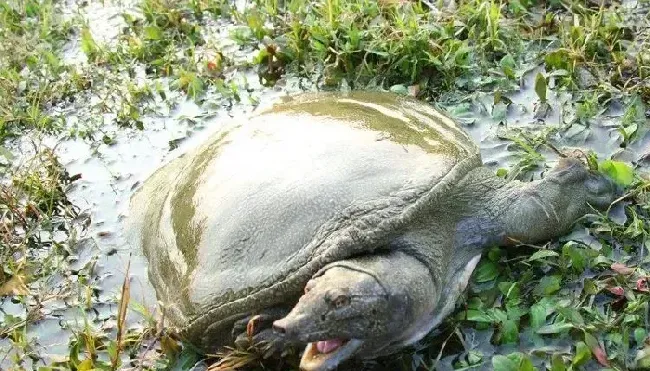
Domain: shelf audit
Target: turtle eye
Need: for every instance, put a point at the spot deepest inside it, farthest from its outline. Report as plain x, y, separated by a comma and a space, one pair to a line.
341, 301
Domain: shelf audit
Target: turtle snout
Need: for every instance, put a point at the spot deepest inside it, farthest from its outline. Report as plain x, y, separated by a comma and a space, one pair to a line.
296, 326
280, 326
286, 328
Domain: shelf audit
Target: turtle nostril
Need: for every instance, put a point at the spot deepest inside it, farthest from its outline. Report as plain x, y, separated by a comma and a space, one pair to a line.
279, 328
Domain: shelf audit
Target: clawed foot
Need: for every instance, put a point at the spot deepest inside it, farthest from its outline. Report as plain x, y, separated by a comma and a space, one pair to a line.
256, 331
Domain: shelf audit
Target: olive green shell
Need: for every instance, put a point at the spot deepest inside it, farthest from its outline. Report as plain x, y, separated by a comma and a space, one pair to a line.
243, 221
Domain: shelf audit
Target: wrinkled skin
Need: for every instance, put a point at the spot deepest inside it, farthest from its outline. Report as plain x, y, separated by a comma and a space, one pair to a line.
367, 307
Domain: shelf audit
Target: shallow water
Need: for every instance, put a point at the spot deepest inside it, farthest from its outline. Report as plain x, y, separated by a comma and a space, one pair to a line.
104, 21
111, 173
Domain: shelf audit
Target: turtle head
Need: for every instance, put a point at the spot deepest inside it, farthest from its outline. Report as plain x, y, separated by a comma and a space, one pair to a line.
344, 313
548, 208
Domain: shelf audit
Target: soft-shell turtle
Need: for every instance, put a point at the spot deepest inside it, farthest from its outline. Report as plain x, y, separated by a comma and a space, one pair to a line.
348, 223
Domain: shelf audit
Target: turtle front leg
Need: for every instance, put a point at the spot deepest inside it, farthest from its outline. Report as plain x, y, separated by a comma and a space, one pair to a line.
256, 330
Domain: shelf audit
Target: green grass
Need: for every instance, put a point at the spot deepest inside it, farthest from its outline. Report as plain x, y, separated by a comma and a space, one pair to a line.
34, 201
33, 208
570, 304
33, 77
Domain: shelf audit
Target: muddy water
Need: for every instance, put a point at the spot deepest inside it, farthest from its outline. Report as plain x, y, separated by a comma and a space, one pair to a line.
111, 173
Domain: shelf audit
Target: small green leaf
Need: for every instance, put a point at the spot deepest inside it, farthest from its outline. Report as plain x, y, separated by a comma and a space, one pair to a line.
486, 271
541, 254
510, 332
478, 316
590, 287
582, 356
503, 363
261, 56
630, 130
576, 255
526, 364
511, 291
548, 285
557, 60
152, 33
557, 364
185, 360
640, 335
494, 254
107, 140
512, 362
600, 259
540, 87
498, 314
555, 328
507, 64
85, 365
590, 340
537, 316
619, 171
474, 357
572, 315
514, 311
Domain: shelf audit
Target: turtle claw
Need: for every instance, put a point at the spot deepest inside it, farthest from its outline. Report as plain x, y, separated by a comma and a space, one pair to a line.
251, 325
255, 328
266, 341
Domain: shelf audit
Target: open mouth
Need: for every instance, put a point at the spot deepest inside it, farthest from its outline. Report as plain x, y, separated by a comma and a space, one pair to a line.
326, 355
